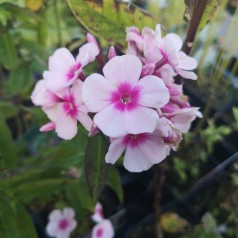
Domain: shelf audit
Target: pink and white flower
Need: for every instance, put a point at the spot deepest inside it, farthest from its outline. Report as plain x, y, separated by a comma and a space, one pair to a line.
104, 229
141, 151
98, 213
64, 69
152, 48
124, 104
61, 223
68, 110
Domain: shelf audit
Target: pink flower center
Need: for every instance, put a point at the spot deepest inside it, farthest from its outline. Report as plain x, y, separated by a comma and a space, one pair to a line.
63, 224
74, 70
125, 97
135, 140
69, 106
99, 232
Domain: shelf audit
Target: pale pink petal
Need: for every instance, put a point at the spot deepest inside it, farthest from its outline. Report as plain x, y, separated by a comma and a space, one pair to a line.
112, 52
98, 213
182, 118
76, 91
50, 126
154, 149
148, 69
55, 215
135, 161
72, 225
186, 62
177, 42
85, 120
115, 150
68, 213
63, 234
43, 97
61, 61
56, 81
153, 92
92, 39
87, 53
135, 37
52, 228
140, 120
103, 230
111, 122
65, 125
126, 68
186, 74
96, 92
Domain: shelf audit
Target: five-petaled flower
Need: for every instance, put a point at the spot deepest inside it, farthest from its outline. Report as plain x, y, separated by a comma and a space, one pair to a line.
124, 103
61, 223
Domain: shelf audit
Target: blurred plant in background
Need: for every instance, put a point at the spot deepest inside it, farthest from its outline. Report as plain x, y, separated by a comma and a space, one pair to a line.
39, 172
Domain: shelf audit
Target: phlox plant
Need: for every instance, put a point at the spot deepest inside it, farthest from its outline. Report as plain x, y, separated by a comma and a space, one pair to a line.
135, 101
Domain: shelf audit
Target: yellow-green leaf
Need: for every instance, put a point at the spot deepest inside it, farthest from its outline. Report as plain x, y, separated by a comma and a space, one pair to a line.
108, 19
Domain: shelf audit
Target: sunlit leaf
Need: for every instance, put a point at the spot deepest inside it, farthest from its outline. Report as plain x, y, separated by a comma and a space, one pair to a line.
108, 19
34, 5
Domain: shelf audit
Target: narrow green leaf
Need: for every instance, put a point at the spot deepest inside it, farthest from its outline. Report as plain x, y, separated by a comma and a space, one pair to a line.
8, 52
20, 81
9, 109
40, 189
7, 146
95, 167
15, 220
108, 19
210, 10
114, 182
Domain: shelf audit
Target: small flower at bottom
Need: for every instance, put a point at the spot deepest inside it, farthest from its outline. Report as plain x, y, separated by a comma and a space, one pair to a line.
104, 229
61, 223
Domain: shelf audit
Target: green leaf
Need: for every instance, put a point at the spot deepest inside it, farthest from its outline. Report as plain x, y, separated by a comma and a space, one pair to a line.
95, 167
235, 113
114, 182
7, 146
108, 19
79, 198
20, 81
15, 220
9, 109
29, 191
209, 12
8, 52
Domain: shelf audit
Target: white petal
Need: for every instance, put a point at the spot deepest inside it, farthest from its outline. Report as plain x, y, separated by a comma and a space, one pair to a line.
126, 68
153, 92
135, 161
52, 228
56, 81
65, 126
140, 120
76, 91
68, 213
186, 74
115, 150
176, 40
98, 213
154, 149
55, 215
87, 53
96, 92
85, 120
186, 62
103, 230
111, 122
41, 96
61, 61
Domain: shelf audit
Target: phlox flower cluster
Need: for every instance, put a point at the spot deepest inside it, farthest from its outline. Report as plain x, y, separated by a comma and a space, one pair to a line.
135, 101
